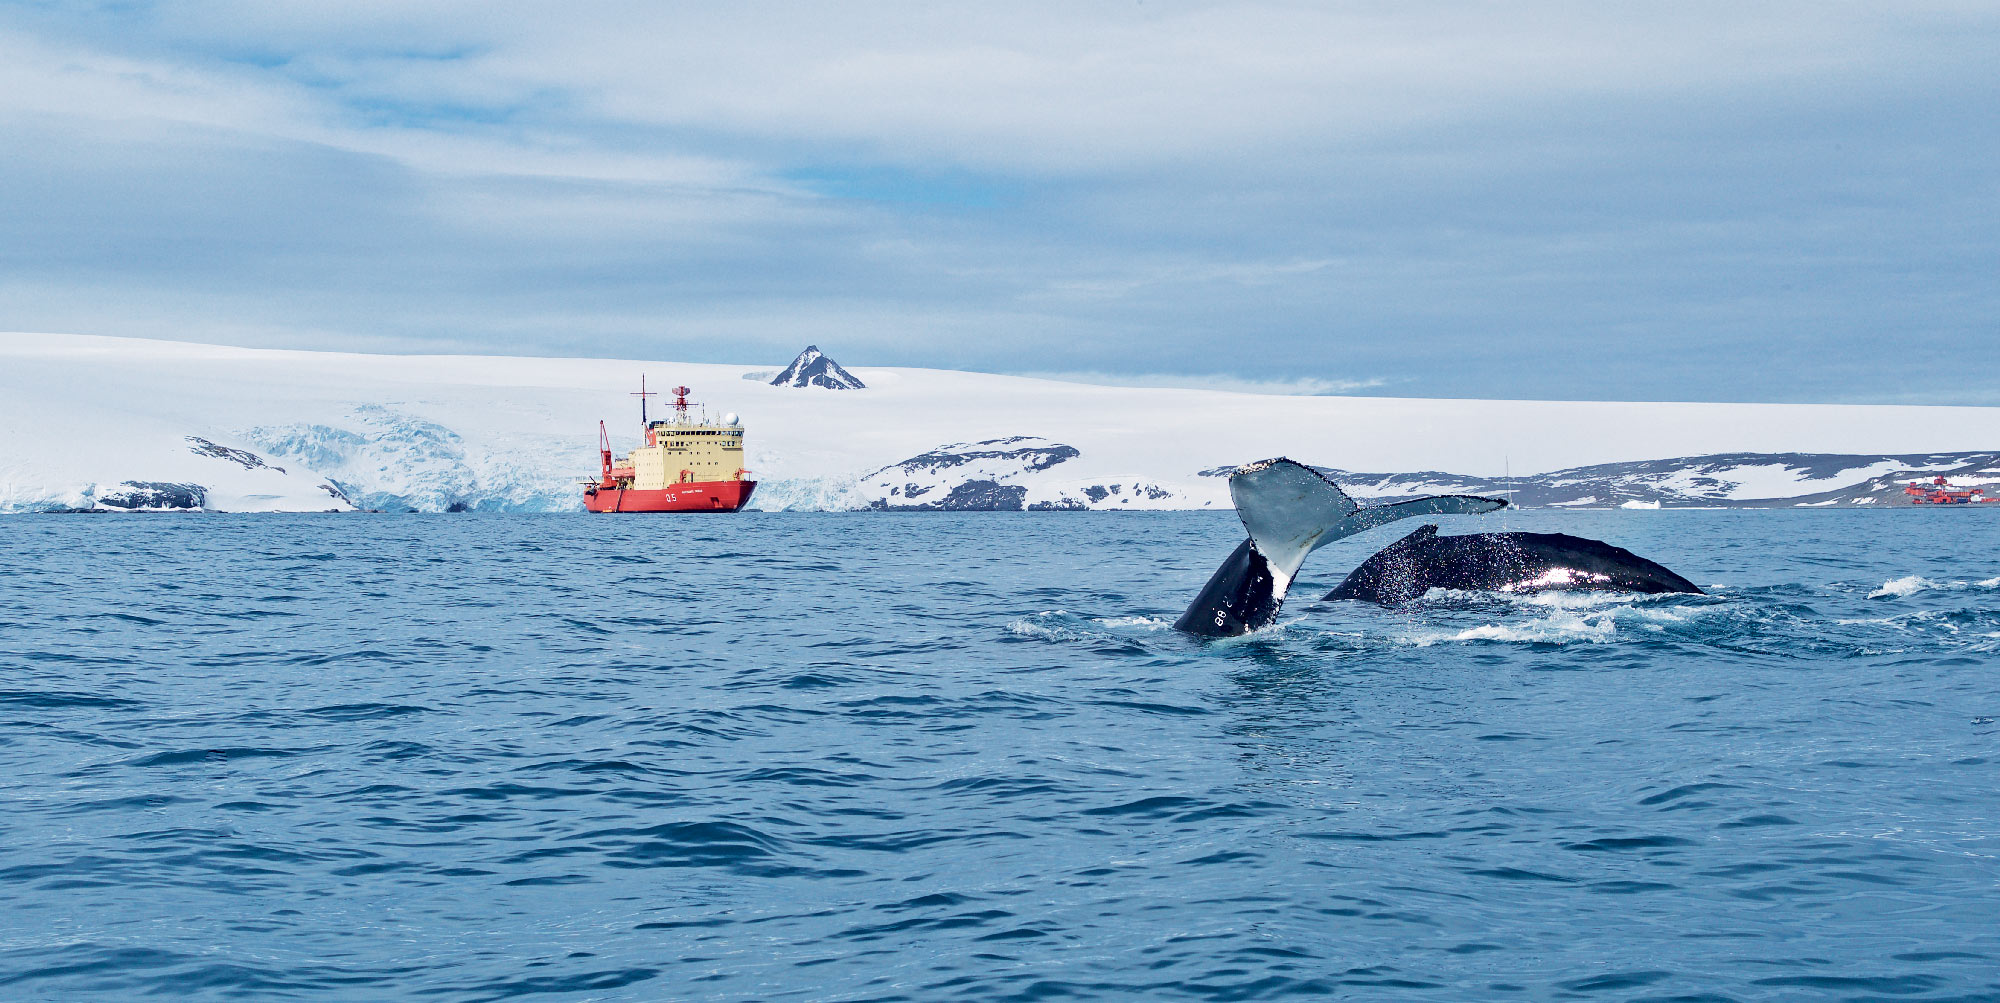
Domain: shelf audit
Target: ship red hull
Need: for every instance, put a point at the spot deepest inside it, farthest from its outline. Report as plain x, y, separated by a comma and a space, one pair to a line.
699, 496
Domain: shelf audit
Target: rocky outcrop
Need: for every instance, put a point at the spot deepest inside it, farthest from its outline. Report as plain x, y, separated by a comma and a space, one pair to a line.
814, 368
154, 496
969, 496
241, 457
1018, 453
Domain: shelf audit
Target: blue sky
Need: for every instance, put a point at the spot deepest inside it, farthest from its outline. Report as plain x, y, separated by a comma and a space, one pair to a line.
1703, 201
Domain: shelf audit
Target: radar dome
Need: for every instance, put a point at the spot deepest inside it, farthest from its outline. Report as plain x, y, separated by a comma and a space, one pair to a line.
731, 419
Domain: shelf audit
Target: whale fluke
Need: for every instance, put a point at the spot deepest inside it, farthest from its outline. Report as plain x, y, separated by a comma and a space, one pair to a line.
1289, 511
1502, 562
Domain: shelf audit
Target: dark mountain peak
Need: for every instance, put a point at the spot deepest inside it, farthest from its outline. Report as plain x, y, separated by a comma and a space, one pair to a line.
814, 368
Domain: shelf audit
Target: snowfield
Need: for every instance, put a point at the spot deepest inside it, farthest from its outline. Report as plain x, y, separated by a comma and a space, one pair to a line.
114, 423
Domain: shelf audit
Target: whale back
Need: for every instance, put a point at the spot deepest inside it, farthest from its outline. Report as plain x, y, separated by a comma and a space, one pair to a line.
1502, 562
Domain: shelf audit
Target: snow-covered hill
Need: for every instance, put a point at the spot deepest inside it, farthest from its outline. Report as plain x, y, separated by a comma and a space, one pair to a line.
1732, 480
90, 422
1016, 473
1023, 473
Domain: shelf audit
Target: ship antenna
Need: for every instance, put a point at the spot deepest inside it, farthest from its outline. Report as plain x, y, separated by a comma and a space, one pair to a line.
681, 403
642, 395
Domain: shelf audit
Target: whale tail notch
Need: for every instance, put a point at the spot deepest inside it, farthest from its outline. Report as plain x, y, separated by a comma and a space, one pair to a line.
1290, 510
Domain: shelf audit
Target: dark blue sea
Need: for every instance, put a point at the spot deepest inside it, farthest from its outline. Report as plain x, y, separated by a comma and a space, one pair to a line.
944, 757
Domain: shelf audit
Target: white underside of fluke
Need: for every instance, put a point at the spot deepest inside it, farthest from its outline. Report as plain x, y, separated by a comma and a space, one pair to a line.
1291, 510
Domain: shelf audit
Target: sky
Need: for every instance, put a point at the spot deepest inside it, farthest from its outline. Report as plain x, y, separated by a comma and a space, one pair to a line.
1674, 201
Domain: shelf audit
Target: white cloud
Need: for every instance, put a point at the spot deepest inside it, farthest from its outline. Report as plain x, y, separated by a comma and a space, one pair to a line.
1138, 277
41, 79
589, 88
1079, 87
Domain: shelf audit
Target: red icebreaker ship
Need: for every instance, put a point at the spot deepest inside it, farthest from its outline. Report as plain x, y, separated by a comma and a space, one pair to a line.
684, 465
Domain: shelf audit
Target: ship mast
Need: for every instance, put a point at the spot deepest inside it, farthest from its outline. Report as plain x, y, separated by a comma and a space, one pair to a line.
642, 395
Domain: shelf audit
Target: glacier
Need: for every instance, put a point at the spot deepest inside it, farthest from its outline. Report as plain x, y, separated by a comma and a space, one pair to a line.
118, 424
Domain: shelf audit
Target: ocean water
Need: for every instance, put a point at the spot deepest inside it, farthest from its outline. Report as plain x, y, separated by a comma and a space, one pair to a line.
938, 757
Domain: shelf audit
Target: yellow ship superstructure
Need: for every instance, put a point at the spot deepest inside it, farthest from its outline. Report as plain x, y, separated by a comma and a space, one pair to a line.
683, 451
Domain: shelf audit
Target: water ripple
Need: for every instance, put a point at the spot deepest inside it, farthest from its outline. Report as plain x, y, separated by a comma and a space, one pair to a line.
962, 757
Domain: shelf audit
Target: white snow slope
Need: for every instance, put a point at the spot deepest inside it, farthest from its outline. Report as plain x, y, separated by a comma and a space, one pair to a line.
80, 415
